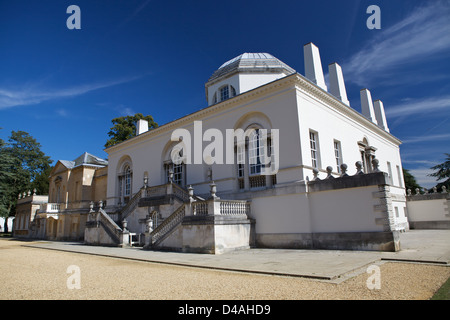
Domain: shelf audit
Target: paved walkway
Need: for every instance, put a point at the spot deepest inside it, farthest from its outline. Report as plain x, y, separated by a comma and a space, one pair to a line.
425, 246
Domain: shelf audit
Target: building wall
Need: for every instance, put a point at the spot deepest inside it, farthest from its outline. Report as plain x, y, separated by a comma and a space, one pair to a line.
26, 210
429, 211
274, 110
287, 215
62, 172
332, 125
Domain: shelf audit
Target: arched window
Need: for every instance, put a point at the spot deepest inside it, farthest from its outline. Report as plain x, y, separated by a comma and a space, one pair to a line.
225, 92
175, 171
125, 183
251, 159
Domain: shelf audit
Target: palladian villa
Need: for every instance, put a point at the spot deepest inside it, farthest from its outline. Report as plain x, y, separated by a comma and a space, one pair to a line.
275, 159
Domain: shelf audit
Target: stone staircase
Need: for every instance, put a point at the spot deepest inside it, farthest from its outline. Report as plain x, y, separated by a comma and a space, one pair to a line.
184, 207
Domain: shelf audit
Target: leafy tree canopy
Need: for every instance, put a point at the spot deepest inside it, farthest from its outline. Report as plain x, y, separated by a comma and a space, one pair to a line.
410, 181
125, 128
442, 172
22, 167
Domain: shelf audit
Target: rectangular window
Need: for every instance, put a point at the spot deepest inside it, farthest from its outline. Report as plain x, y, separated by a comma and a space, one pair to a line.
390, 172
178, 173
127, 184
399, 174
255, 152
240, 154
338, 155
240, 170
314, 149
396, 212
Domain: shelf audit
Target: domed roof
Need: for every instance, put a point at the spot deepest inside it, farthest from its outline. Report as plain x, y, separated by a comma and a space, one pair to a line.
253, 62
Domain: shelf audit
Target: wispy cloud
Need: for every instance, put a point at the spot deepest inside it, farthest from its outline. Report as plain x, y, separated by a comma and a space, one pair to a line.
417, 162
62, 113
425, 138
30, 95
423, 178
419, 36
420, 106
126, 111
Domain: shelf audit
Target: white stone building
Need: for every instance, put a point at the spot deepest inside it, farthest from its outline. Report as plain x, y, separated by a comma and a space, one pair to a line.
311, 128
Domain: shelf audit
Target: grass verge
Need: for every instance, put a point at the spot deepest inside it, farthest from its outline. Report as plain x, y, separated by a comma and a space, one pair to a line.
443, 293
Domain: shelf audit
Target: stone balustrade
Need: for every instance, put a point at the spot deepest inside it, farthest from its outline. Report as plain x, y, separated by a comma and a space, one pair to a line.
418, 193
344, 168
216, 206
50, 207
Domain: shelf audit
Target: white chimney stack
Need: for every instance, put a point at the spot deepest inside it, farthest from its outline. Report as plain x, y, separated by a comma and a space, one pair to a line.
380, 115
141, 126
337, 84
367, 105
313, 65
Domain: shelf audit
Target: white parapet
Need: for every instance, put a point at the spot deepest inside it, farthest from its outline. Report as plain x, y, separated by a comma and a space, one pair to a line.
337, 84
367, 105
380, 115
141, 126
313, 65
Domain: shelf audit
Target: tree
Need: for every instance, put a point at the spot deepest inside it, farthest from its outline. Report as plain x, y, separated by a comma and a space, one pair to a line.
41, 182
442, 172
125, 128
410, 181
7, 177
21, 165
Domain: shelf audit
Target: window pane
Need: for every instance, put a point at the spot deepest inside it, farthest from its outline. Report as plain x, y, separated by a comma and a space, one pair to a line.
337, 154
127, 181
224, 93
255, 152
313, 145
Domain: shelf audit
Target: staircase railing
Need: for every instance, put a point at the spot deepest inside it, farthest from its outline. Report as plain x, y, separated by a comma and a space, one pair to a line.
168, 224
180, 192
111, 228
131, 205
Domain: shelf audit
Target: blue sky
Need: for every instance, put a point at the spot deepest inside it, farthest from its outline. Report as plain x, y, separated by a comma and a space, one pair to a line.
153, 57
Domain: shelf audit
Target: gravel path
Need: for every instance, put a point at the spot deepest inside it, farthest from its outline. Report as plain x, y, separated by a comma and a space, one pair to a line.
33, 273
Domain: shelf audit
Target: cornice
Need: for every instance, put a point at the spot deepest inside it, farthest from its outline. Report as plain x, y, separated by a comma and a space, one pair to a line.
200, 114
295, 79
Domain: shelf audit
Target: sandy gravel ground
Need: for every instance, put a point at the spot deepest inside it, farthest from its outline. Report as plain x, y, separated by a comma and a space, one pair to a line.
32, 273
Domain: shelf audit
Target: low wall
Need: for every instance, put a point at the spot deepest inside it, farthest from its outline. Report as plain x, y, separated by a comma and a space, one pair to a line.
214, 234
429, 211
348, 213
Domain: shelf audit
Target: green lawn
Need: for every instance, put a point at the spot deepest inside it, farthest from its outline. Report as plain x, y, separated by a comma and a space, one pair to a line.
443, 293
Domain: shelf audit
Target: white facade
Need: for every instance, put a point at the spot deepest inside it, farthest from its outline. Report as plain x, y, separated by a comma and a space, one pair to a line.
316, 130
